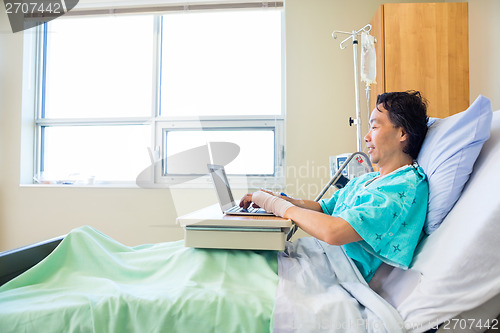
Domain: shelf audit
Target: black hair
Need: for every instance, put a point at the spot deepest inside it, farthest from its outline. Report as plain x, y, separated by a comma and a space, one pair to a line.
407, 110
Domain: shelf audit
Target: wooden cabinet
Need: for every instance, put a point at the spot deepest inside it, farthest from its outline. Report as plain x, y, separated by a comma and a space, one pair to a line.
425, 47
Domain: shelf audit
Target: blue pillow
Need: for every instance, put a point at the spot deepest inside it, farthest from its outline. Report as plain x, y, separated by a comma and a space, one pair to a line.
448, 154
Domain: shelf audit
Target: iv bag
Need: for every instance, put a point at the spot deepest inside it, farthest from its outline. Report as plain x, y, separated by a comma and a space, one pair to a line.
368, 59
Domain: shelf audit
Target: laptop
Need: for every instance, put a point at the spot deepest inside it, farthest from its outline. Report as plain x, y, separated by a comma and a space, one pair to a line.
225, 195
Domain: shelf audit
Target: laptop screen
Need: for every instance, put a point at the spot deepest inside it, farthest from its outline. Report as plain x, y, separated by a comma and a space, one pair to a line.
222, 187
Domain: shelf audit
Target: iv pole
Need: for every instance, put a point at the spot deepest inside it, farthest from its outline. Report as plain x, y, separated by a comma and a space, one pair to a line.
354, 34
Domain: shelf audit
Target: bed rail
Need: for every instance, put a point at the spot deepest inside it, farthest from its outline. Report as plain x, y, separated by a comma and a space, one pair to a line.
338, 178
17, 261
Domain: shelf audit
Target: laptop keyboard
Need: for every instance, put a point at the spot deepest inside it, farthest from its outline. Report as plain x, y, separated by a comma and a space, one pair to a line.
237, 209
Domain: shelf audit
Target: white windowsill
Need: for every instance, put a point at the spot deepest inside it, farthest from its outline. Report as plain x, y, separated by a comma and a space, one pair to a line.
235, 184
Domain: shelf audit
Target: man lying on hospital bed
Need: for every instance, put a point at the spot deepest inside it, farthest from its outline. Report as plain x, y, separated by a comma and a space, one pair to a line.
379, 215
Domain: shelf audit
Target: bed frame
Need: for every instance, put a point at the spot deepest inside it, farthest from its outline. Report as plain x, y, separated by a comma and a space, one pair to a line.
17, 261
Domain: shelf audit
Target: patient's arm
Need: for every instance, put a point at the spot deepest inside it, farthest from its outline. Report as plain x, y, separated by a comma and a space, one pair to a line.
307, 214
330, 229
246, 201
306, 204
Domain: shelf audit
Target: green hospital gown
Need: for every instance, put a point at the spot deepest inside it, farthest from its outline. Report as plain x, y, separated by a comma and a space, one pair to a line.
388, 213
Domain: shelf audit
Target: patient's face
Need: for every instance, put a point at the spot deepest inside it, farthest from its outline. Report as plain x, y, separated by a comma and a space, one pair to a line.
384, 141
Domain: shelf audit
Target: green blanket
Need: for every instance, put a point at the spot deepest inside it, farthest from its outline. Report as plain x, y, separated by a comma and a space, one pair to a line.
92, 283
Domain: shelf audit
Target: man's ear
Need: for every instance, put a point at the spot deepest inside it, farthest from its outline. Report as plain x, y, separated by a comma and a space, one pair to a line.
404, 135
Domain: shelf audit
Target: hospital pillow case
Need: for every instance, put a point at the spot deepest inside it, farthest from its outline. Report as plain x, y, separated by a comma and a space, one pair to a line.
448, 154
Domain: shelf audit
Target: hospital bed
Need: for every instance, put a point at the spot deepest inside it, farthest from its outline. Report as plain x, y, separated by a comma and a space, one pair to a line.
452, 285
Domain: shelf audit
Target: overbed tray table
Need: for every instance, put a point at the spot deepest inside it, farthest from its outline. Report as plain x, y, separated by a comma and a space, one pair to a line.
210, 228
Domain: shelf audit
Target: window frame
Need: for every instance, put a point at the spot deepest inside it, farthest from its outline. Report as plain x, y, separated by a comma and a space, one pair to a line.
275, 180
34, 64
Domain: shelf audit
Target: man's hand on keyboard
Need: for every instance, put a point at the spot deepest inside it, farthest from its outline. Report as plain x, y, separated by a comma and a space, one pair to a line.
246, 201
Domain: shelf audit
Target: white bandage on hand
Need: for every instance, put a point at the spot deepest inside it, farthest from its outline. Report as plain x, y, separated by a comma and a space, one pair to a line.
271, 203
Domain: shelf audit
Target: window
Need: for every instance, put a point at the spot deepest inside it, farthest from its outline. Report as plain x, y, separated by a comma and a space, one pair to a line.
231, 62
116, 93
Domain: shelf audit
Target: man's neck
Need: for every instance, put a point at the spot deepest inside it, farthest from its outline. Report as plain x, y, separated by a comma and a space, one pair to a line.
395, 164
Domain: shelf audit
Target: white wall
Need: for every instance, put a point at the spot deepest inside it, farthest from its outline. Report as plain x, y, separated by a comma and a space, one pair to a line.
320, 99
484, 50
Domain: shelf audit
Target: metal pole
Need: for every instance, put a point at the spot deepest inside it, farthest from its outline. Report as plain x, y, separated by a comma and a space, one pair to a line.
353, 35
337, 175
333, 181
356, 90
